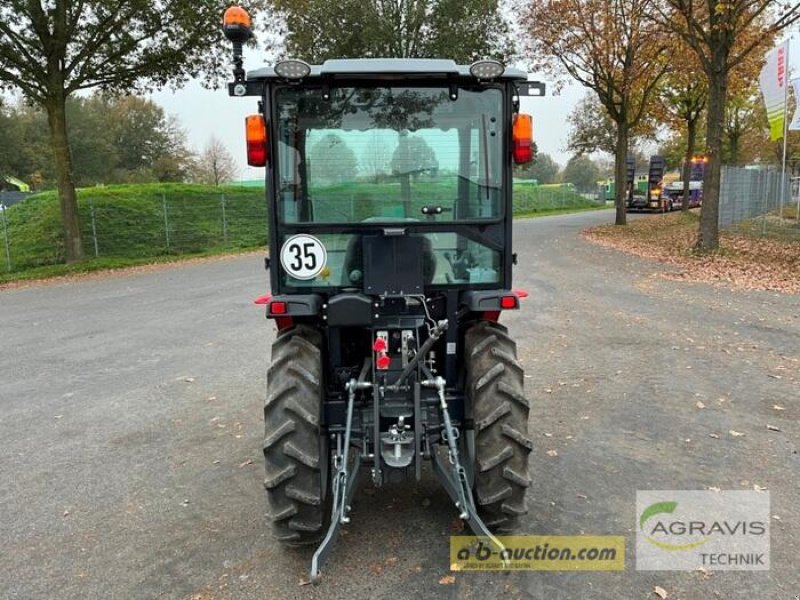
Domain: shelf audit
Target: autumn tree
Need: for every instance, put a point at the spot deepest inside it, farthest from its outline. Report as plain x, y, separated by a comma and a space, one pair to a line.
543, 169
582, 172
112, 140
745, 130
49, 51
612, 47
215, 165
592, 130
11, 140
680, 103
463, 30
722, 34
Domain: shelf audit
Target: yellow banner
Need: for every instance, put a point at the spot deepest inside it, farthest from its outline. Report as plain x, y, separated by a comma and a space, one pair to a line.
538, 553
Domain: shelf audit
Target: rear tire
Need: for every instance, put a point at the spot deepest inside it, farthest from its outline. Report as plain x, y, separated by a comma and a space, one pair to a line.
295, 456
500, 411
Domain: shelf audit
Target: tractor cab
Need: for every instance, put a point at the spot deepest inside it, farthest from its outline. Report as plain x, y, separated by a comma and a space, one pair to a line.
389, 185
377, 163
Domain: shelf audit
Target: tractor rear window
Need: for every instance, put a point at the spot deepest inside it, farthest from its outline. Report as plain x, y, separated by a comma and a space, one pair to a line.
448, 259
388, 154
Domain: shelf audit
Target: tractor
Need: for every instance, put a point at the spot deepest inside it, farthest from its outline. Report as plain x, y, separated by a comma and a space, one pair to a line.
389, 185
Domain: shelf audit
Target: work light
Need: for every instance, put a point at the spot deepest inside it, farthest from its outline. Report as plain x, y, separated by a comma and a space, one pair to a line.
292, 68
486, 69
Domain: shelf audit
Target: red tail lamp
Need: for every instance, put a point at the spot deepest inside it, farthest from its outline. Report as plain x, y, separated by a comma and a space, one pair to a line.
256, 129
277, 308
383, 361
523, 138
509, 302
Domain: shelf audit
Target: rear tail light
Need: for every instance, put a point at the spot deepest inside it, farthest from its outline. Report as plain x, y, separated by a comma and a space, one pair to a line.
509, 302
523, 138
256, 129
277, 308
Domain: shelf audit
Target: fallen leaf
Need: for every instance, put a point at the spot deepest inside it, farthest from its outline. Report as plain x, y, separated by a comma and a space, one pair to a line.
552, 453
376, 568
456, 525
777, 407
548, 435
249, 461
581, 496
700, 404
749, 261
304, 582
189, 379
758, 488
713, 489
773, 428
735, 433
706, 573
660, 592
776, 517
447, 580
453, 567
774, 376
66, 513
392, 560
714, 435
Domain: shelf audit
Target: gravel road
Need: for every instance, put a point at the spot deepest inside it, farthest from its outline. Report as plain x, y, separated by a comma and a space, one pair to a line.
130, 425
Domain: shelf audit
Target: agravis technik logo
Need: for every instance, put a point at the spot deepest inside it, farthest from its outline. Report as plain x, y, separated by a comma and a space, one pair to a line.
680, 530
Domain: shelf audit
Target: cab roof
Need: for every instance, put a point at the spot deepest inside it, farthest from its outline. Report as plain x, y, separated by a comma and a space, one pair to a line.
392, 67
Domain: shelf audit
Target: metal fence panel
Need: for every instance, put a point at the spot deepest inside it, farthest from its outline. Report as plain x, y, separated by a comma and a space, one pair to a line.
749, 193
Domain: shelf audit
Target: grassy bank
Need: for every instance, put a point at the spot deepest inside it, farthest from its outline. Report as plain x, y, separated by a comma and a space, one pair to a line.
138, 222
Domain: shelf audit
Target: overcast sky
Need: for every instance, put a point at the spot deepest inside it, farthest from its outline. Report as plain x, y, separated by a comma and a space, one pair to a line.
204, 113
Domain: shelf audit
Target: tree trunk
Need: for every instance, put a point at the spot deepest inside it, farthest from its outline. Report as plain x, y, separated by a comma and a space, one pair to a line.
717, 96
621, 173
691, 134
733, 142
57, 120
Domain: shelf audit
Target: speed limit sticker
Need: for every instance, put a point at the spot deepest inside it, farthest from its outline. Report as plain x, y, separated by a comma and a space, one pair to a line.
303, 256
